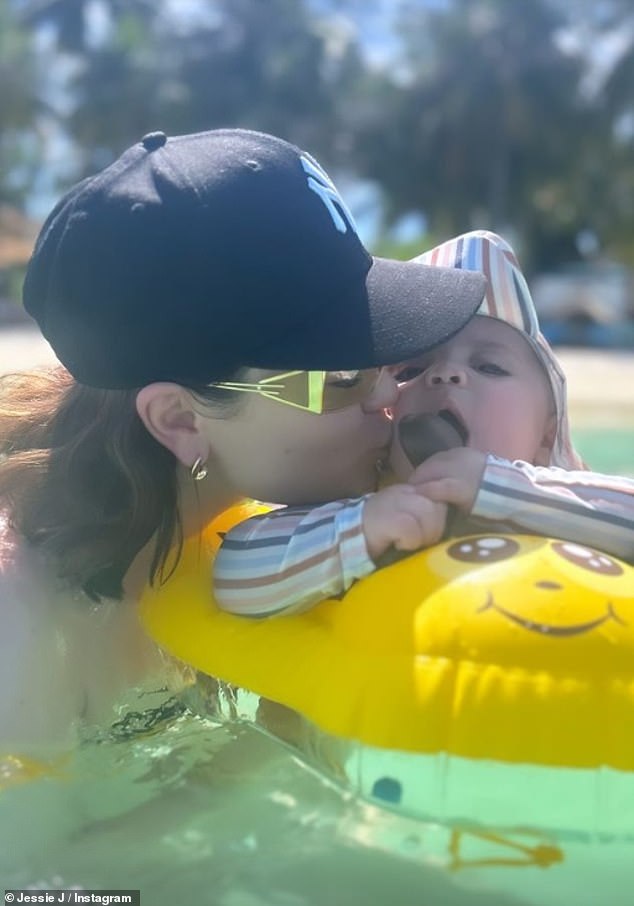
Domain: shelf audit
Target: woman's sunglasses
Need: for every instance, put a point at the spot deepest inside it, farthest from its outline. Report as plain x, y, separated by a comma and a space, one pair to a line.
312, 391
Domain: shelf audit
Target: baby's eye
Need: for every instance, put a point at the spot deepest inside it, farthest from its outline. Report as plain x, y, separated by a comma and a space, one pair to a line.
408, 373
492, 368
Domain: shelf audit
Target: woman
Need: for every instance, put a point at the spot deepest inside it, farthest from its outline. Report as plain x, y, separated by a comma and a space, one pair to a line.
189, 289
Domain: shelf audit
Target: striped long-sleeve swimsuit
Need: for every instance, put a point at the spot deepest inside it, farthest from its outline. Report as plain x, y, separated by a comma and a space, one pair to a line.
293, 557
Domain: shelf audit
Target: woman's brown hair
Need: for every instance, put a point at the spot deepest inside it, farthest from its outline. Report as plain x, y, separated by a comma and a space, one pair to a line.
83, 480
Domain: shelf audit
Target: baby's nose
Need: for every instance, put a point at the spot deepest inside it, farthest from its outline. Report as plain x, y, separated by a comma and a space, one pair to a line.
445, 373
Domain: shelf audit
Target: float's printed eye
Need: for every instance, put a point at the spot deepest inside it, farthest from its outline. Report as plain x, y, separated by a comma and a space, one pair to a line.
587, 558
483, 549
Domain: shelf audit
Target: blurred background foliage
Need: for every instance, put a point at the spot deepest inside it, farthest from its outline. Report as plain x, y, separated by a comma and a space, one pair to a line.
452, 114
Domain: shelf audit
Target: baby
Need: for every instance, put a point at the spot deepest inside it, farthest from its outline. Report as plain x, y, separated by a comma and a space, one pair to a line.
498, 394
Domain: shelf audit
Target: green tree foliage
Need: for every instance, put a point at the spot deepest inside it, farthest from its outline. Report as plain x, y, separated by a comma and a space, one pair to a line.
606, 177
20, 144
264, 65
617, 97
485, 122
481, 113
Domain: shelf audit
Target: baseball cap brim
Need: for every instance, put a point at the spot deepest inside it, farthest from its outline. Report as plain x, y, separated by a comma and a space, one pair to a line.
400, 310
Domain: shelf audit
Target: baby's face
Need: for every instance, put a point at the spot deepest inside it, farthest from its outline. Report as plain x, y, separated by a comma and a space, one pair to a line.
488, 384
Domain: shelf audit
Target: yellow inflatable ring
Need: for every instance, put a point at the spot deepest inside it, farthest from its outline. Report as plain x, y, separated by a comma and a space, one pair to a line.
493, 651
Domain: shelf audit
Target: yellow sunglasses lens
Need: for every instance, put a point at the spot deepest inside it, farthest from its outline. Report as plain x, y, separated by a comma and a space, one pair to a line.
313, 391
324, 391
303, 389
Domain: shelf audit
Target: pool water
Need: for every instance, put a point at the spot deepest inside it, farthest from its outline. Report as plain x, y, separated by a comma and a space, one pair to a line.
608, 450
195, 812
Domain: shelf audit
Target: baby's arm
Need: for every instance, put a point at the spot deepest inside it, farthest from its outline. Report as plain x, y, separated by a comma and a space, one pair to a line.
290, 559
583, 507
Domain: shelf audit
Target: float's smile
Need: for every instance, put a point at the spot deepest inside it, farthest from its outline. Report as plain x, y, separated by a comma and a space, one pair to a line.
547, 628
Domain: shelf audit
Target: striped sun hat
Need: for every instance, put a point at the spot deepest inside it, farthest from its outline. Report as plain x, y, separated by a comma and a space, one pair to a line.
508, 299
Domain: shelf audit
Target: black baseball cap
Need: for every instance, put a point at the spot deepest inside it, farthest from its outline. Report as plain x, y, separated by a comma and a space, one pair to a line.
190, 257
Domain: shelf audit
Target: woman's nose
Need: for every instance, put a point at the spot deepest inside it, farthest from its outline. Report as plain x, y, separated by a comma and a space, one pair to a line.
444, 373
384, 393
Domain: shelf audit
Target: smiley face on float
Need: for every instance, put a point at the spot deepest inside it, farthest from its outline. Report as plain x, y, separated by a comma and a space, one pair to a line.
513, 648
528, 602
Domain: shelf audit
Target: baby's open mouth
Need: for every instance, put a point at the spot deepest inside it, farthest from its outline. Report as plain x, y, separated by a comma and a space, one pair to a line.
456, 424
423, 435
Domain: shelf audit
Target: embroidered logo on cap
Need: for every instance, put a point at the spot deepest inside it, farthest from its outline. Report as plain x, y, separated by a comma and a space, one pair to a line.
323, 186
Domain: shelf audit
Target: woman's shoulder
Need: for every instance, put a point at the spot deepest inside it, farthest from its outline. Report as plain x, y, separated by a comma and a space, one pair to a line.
23, 578
66, 662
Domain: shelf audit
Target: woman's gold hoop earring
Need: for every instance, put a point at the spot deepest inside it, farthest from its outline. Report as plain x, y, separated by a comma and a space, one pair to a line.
199, 469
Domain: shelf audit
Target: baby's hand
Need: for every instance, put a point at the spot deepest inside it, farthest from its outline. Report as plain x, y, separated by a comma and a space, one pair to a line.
452, 476
401, 516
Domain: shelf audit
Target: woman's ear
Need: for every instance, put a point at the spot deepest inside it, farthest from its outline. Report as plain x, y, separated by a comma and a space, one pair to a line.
166, 411
542, 457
